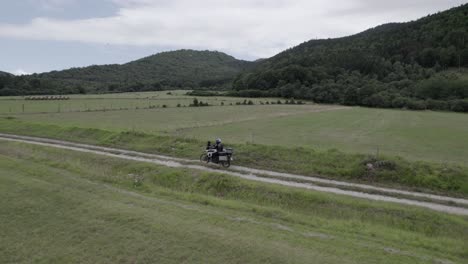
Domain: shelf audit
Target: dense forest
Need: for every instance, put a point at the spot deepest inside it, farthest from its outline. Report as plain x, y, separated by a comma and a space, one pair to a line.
186, 69
415, 65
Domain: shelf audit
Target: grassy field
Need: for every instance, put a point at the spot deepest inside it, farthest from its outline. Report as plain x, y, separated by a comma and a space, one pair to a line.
61, 206
415, 135
172, 120
109, 102
325, 140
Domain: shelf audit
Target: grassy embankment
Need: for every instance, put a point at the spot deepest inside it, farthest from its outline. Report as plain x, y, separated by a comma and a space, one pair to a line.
63, 206
391, 171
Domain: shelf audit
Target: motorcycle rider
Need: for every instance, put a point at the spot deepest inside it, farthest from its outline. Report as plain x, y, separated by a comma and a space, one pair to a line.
219, 148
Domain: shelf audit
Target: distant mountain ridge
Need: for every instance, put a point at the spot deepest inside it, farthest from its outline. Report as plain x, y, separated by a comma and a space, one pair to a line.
187, 69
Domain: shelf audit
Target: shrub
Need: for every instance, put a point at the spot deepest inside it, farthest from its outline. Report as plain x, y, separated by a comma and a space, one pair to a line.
437, 105
416, 105
203, 93
400, 102
249, 93
459, 105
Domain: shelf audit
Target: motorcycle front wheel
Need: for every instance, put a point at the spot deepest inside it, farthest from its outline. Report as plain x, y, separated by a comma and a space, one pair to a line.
204, 158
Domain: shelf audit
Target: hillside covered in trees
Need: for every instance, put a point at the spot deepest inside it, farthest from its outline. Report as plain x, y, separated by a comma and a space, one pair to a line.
187, 69
416, 65
5, 74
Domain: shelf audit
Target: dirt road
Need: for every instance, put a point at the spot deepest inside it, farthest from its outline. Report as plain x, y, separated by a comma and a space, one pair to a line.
285, 179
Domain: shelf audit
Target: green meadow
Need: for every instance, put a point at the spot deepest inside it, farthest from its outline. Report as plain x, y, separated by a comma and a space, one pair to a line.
440, 137
67, 207
424, 150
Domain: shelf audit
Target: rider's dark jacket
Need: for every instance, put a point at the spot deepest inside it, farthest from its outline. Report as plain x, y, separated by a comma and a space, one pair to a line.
219, 147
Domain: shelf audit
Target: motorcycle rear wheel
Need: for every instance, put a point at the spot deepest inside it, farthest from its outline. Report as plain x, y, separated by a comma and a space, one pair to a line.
226, 164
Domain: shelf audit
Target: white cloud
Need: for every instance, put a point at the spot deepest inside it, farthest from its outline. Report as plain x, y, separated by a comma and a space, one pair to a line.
246, 28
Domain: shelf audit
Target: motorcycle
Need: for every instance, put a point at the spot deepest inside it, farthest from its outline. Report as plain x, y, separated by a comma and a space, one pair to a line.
212, 155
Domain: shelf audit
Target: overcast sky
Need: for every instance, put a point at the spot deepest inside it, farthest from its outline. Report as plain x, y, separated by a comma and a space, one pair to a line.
45, 35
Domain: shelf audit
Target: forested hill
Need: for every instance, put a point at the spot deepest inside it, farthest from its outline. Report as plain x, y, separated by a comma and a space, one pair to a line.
5, 74
176, 69
393, 65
